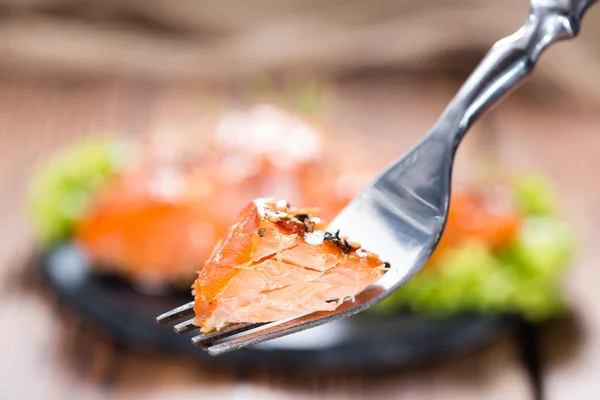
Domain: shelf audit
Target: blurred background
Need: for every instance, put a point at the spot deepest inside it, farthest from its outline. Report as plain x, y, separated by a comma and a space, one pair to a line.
378, 73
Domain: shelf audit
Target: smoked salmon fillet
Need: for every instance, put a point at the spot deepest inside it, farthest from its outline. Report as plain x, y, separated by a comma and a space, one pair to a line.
156, 221
278, 262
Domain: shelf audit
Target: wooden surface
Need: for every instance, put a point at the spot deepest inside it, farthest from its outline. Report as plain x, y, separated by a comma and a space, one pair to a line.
214, 39
47, 352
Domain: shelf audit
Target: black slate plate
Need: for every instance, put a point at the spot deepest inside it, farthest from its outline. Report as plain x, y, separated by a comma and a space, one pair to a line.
361, 343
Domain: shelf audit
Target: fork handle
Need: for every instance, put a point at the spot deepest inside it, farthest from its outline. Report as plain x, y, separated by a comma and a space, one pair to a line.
509, 61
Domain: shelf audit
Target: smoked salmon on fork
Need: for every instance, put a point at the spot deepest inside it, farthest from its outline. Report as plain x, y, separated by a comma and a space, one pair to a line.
400, 216
276, 262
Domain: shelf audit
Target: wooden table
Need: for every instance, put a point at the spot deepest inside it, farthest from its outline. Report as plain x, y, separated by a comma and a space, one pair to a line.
47, 352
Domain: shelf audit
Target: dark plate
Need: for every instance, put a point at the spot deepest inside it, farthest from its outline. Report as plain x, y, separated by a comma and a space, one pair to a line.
363, 342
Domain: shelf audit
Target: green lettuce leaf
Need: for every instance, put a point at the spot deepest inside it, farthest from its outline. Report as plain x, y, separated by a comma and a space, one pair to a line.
62, 189
471, 278
534, 195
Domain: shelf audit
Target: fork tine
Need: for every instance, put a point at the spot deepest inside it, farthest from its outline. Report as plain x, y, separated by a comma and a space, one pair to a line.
281, 328
186, 326
203, 340
177, 313
273, 331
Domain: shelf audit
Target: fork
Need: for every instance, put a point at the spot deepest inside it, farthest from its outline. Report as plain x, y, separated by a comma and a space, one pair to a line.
402, 214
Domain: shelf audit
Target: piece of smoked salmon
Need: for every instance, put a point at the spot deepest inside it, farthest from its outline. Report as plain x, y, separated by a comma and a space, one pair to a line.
277, 262
158, 220
491, 217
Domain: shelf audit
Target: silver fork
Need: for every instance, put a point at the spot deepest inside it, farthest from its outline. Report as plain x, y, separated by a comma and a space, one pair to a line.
402, 214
